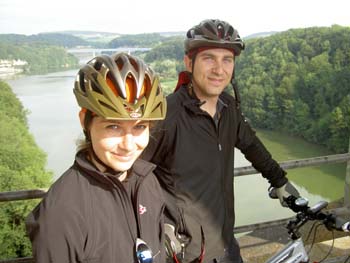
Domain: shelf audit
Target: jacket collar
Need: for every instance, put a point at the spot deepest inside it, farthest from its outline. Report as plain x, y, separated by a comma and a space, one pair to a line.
191, 102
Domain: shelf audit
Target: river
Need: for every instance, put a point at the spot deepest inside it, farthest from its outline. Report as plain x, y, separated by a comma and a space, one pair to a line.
53, 115
53, 121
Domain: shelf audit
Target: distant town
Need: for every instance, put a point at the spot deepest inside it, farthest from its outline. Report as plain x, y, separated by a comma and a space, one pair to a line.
10, 67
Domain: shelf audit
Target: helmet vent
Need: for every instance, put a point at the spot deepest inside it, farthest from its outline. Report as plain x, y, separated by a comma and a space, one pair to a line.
98, 65
230, 32
130, 88
221, 31
82, 82
95, 87
134, 64
106, 105
119, 63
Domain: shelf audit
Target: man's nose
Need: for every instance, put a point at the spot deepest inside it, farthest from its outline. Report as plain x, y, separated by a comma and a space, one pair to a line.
217, 68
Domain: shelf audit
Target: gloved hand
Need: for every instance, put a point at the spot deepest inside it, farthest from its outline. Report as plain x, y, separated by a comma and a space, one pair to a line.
286, 190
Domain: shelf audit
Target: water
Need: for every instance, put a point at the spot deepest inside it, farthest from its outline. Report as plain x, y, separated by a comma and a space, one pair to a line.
53, 117
54, 122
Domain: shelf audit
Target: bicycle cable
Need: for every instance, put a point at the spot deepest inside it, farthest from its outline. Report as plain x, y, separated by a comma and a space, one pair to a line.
310, 231
330, 250
314, 236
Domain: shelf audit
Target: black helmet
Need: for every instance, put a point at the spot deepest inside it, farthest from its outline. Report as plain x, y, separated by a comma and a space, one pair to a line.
213, 33
120, 86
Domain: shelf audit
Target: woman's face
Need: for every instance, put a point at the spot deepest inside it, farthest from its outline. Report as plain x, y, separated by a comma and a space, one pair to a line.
119, 143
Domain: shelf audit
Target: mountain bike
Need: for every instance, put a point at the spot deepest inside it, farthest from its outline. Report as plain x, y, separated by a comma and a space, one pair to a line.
295, 251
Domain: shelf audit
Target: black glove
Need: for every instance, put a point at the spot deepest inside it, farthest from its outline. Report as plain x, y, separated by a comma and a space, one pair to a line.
284, 191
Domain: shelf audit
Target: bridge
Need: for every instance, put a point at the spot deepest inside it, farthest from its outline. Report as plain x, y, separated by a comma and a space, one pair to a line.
85, 54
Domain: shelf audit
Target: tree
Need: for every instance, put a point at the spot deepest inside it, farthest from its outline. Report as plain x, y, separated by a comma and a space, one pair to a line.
22, 166
304, 75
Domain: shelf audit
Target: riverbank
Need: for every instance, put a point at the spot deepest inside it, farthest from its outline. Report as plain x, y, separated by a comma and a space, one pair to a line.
11, 67
285, 147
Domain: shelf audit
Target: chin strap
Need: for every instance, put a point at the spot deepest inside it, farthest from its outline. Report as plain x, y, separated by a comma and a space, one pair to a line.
108, 169
235, 90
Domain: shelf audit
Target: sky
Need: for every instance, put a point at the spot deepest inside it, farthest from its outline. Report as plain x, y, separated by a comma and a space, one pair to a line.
149, 16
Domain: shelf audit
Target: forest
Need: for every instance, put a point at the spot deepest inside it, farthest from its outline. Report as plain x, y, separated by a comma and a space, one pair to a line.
22, 166
43, 54
298, 82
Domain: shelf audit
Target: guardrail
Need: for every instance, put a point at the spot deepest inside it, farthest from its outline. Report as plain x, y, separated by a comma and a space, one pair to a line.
240, 171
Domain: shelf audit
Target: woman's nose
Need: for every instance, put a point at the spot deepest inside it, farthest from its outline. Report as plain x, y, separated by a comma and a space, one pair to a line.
128, 142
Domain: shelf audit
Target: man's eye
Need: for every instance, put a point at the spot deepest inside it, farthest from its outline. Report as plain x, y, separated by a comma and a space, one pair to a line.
208, 58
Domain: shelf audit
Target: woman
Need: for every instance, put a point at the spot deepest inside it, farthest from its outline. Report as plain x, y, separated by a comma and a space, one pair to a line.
108, 206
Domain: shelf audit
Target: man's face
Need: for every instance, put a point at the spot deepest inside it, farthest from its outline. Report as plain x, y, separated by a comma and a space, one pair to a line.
212, 72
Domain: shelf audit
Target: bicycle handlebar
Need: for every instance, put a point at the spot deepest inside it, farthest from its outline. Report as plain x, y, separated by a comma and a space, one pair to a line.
305, 213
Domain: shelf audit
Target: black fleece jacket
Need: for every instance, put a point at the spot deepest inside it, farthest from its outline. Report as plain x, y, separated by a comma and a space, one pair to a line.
195, 159
88, 216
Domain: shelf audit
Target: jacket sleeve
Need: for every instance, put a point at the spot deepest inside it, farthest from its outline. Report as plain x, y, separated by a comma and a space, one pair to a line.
57, 235
255, 152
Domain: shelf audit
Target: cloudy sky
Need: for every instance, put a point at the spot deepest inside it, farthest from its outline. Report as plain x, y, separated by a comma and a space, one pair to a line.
146, 16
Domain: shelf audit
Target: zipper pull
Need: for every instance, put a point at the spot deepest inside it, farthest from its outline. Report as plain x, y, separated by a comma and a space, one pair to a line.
220, 148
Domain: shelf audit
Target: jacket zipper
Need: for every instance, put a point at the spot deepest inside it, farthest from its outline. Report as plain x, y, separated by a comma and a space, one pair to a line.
216, 129
127, 208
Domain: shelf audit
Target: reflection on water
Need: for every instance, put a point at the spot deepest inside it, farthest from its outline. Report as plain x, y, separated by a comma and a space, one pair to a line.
53, 120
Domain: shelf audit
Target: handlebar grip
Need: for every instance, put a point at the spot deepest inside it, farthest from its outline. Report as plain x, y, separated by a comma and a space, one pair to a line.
332, 221
342, 225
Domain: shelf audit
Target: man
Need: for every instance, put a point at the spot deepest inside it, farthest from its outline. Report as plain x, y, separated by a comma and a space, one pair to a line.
194, 147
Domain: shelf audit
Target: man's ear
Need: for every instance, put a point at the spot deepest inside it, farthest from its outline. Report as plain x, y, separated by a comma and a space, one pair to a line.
188, 63
82, 114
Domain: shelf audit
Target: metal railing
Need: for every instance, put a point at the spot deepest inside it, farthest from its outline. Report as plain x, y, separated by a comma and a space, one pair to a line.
240, 171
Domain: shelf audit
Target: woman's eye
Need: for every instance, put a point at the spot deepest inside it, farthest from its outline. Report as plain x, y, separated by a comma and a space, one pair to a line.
140, 127
112, 127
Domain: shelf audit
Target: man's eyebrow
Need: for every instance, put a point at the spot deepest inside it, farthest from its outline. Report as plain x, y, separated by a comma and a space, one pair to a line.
208, 53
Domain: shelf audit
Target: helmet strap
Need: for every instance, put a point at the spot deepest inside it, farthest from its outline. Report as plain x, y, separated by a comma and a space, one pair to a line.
87, 121
235, 90
108, 169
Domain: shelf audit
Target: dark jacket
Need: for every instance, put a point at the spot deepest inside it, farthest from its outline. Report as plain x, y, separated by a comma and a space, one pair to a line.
194, 159
88, 216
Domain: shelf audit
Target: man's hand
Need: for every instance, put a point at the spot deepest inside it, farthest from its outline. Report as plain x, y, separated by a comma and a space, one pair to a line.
284, 191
